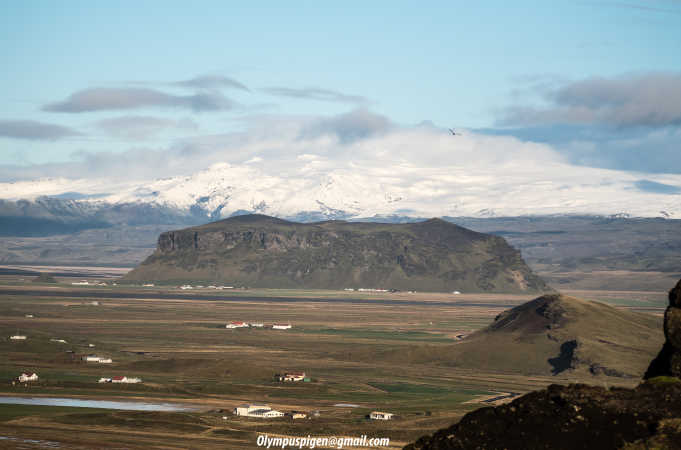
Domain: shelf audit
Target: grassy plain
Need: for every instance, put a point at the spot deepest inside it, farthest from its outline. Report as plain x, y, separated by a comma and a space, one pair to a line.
358, 349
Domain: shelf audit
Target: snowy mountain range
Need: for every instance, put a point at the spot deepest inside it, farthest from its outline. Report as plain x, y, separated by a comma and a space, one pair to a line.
224, 190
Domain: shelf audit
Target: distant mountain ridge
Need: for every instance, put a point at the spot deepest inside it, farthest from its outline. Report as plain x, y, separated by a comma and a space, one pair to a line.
263, 251
223, 190
46, 216
96, 232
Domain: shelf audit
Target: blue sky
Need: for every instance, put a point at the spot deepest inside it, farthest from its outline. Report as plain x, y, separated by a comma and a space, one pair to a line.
495, 67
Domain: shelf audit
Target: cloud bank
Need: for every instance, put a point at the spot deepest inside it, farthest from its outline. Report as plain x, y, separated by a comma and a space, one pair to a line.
34, 131
650, 100
278, 166
112, 99
142, 127
212, 82
313, 93
629, 122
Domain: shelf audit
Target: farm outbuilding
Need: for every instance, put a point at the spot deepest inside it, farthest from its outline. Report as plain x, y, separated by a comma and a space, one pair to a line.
28, 376
379, 415
257, 410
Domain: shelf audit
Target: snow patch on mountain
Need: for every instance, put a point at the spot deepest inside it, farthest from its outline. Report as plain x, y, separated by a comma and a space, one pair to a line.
414, 172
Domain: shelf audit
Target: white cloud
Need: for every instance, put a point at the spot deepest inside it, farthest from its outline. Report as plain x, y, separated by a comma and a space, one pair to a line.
650, 99
422, 170
142, 127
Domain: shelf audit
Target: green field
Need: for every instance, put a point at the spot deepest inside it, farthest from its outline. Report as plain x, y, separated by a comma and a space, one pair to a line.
390, 357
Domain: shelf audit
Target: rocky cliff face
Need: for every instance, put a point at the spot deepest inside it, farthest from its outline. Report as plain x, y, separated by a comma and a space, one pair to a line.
668, 362
263, 251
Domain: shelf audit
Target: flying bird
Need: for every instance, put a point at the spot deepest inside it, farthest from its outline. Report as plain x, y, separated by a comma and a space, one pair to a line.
453, 133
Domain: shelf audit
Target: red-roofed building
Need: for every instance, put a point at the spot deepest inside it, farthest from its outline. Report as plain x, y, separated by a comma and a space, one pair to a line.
292, 376
124, 379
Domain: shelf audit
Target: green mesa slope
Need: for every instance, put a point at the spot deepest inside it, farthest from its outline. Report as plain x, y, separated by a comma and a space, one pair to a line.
262, 251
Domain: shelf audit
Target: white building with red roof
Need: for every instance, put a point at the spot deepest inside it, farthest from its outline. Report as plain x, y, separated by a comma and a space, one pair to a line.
124, 379
292, 376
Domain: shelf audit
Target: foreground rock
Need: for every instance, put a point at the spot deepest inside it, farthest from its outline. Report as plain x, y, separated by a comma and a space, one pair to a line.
668, 361
261, 251
571, 417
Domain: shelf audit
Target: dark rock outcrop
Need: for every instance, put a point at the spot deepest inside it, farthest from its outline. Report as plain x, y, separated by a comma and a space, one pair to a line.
261, 251
571, 417
668, 361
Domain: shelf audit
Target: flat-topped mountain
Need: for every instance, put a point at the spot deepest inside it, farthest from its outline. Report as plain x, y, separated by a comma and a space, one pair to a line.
262, 251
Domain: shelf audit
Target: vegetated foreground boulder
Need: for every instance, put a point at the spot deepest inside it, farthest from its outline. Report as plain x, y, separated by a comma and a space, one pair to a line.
579, 416
668, 361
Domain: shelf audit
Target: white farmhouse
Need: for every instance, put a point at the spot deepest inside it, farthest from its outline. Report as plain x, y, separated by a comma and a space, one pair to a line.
28, 376
378, 415
97, 359
257, 410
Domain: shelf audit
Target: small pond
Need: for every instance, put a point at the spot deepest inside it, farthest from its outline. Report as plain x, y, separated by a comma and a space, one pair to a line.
103, 404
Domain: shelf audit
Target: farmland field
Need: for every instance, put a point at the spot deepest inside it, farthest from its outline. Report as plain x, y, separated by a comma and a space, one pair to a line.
362, 349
